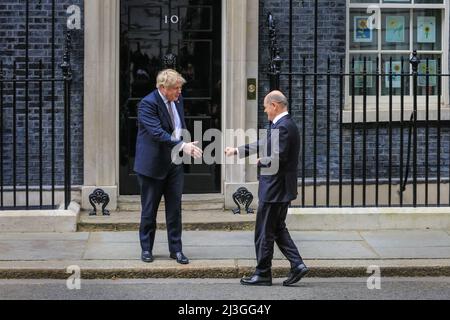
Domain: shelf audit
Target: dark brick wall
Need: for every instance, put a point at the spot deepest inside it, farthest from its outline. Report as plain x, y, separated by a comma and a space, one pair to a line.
331, 43
12, 48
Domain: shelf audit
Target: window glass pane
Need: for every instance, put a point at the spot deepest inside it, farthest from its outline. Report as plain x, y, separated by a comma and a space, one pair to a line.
395, 29
363, 34
357, 66
397, 1
434, 62
427, 29
429, 1
397, 69
364, 1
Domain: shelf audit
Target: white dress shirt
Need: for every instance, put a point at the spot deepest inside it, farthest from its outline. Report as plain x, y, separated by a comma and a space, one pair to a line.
278, 117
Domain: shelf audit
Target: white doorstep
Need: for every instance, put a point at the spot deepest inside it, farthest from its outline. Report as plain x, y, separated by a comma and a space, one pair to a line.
434, 218
37, 221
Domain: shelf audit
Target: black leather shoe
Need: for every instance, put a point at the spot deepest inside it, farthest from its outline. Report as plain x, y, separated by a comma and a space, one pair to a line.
147, 256
296, 274
257, 280
180, 257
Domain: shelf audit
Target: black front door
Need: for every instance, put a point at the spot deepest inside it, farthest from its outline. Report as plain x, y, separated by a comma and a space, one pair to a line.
150, 31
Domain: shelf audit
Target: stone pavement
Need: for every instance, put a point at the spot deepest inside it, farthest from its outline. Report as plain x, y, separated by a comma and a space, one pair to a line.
223, 254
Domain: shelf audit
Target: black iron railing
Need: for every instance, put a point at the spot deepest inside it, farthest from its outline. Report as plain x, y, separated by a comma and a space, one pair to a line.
35, 128
370, 136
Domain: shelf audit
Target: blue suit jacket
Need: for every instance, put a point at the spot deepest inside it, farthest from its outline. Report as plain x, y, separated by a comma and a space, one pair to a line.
281, 185
154, 142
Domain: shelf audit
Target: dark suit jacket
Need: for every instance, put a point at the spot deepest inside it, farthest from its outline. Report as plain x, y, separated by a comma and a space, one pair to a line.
279, 185
154, 140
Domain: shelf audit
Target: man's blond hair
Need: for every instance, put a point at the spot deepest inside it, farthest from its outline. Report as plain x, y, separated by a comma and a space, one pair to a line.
169, 78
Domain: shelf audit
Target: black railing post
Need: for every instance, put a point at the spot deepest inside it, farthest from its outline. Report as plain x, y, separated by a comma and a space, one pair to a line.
291, 9
427, 128
415, 66
402, 109
364, 133
1, 135
53, 113
328, 128
41, 142
352, 151
27, 60
67, 73
377, 133
303, 132
439, 79
390, 135
275, 59
14, 139
315, 102
341, 131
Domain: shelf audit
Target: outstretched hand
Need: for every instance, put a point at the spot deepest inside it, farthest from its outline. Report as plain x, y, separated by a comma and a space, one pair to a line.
192, 150
229, 152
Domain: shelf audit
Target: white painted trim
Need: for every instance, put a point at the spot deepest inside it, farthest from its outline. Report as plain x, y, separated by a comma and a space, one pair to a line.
224, 86
397, 5
396, 51
383, 115
117, 58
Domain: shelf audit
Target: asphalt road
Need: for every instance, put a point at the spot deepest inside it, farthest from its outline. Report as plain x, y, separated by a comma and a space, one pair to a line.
227, 289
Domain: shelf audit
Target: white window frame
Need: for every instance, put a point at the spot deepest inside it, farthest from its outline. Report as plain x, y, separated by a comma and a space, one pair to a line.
408, 99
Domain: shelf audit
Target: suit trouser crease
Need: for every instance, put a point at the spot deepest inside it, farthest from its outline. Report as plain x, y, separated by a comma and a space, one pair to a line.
152, 191
270, 229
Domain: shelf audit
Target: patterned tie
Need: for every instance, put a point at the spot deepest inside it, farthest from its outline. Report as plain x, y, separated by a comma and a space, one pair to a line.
172, 117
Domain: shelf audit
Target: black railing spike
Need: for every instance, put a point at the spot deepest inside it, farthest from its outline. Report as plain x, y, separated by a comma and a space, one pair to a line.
275, 59
65, 66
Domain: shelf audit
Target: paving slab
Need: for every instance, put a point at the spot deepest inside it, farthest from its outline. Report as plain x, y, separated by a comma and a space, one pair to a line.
189, 237
414, 238
413, 253
326, 235
219, 252
41, 250
67, 236
336, 250
112, 251
225, 237
218, 238
123, 236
